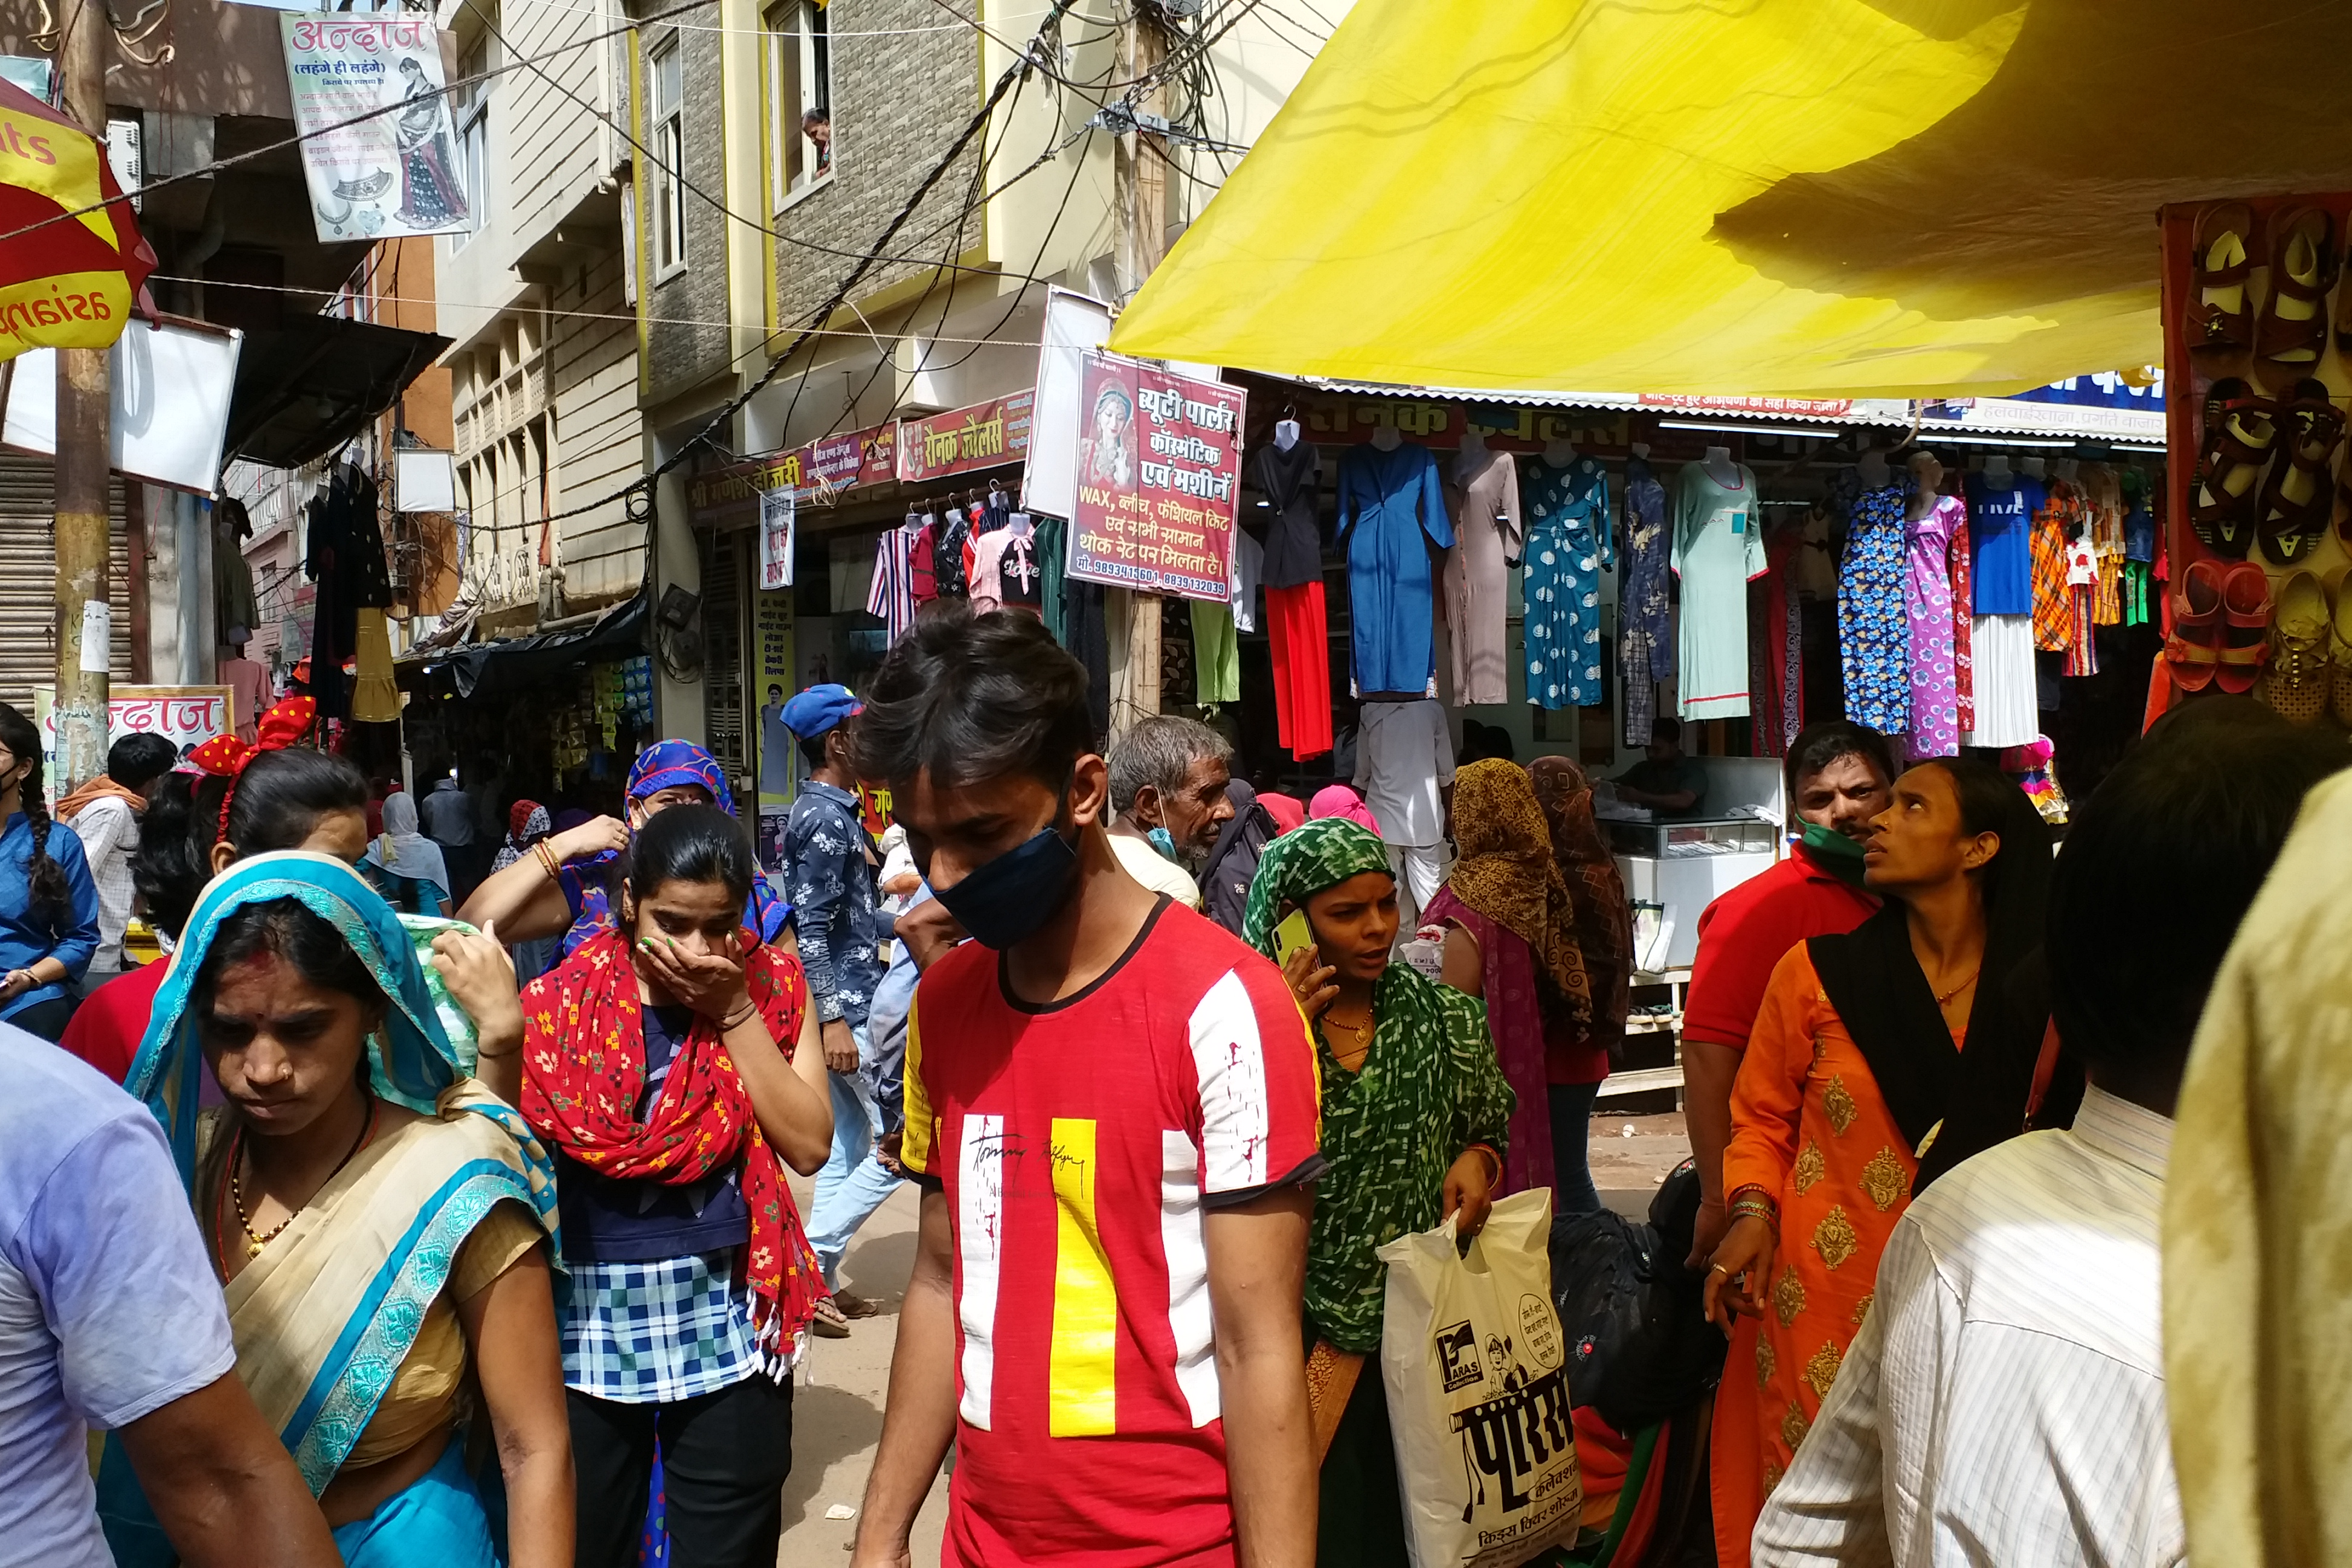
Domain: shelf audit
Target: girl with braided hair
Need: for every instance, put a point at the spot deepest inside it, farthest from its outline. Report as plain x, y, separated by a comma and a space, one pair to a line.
49, 905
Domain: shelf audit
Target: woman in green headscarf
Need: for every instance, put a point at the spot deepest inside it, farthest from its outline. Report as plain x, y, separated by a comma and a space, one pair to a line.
1414, 1117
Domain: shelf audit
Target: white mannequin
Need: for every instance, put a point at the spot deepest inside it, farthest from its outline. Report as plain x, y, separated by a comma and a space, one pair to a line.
1560, 453
2032, 468
2068, 467
1286, 434
1872, 467
1641, 449
1997, 472
1721, 468
1927, 474
1021, 525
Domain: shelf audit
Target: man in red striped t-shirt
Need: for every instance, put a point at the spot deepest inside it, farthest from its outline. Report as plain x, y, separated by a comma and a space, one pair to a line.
1112, 1106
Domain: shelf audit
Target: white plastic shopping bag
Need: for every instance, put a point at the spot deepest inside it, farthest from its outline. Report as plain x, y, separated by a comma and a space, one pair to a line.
1472, 1356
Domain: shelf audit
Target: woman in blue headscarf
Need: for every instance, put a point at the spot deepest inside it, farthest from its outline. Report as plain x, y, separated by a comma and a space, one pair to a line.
564, 886
379, 1220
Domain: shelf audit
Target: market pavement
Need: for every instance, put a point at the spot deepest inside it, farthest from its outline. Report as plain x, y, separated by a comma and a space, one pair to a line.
838, 1391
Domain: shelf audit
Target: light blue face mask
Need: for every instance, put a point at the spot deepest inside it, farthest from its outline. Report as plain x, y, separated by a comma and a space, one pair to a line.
1165, 842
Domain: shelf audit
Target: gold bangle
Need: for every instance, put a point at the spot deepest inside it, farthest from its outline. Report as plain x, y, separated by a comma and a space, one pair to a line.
547, 861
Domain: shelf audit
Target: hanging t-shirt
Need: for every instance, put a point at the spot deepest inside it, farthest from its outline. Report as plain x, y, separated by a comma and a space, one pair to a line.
2000, 535
1005, 572
1404, 758
1088, 1424
892, 595
1719, 546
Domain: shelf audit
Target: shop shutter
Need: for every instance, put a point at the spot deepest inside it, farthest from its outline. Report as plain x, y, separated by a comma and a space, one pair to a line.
722, 656
28, 579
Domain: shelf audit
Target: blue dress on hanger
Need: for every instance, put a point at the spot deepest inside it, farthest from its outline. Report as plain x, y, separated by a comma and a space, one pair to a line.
1569, 545
1392, 509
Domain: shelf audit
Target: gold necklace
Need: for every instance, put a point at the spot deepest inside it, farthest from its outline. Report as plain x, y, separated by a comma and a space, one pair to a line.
253, 1242
1944, 998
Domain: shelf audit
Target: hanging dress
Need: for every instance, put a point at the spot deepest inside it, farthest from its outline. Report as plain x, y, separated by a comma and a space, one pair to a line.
1644, 634
1933, 724
1568, 546
1873, 635
1489, 535
1391, 512
1718, 550
1297, 627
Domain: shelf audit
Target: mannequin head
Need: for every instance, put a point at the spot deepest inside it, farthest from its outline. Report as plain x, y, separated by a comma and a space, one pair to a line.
1386, 438
1560, 453
1872, 467
1927, 472
1474, 444
1996, 468
2030, 467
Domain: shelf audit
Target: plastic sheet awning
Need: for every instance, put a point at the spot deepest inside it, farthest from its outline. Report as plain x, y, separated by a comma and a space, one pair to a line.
1791, 197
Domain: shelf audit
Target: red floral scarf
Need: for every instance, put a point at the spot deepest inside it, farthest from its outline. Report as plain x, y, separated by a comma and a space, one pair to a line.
584, 1066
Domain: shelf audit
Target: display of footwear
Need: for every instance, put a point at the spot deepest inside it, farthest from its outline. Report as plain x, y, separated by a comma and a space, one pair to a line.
2297, 500
2245, 628
2241, 432
2194, 648
2291, 332
2339, 648
2221, 310
2296, 684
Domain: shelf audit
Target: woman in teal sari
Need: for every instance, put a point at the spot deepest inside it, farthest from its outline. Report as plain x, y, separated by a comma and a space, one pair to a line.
379, 1220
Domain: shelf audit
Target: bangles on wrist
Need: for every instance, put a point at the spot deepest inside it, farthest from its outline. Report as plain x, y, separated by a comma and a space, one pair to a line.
547, 861
1754, 1203
735, 1020
1492, 1159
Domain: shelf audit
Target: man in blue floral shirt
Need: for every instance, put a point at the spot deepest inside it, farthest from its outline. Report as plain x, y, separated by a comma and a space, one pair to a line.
830, 866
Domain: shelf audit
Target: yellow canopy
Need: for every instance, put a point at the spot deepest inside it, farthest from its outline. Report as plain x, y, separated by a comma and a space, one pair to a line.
1796, 198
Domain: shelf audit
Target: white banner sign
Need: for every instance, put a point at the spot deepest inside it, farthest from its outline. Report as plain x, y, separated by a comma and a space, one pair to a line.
776, 537
389, 174
187, 716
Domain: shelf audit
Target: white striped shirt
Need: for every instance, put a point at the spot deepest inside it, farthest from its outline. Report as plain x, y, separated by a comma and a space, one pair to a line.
2004, 1401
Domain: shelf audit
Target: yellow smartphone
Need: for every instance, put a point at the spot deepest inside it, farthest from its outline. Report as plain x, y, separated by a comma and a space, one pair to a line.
1291, 935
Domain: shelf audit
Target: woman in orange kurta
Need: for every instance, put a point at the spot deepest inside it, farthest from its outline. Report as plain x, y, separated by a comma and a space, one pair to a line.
1854, 1069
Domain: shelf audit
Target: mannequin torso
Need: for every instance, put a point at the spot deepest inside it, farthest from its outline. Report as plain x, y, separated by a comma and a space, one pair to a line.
1721, 468
1560, 454
1385, 438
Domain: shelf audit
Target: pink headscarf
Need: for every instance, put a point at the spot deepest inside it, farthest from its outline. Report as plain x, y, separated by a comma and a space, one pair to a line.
1286, 810
1339, 800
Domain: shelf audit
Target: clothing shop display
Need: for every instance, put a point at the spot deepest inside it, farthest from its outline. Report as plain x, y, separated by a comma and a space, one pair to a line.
1391, 512
1298, 638
1216, 655
1569, 546
1053, 567
1717, 547
892, 595
233, 603
1489, 533
1933, 725
1964, 699
1776, 648
1244, 571
2102, 492
1004, 573
922, 530
375, 698
248, 692
1404, 762
346, 561
1086, 634
2001, 529
2053, 524
1644, 602
1286, 506
1874, 632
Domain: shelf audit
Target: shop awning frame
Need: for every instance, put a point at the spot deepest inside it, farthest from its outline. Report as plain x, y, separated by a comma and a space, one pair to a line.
507, 665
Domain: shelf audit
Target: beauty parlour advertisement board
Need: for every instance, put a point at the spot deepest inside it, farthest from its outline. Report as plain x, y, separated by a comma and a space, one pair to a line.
1159, 479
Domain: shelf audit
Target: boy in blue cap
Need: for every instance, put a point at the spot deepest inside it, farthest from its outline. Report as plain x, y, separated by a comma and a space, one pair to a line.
829, 868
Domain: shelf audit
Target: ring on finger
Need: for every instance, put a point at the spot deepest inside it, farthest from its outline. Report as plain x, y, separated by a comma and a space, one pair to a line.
1718, 1269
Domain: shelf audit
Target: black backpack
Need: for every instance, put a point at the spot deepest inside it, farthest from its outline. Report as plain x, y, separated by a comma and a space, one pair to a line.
1639, 1346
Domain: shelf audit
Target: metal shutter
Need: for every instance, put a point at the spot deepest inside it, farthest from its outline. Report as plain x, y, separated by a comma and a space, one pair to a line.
28, 579
723, 654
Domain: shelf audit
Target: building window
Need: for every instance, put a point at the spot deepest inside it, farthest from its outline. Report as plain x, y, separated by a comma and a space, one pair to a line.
800, 98
666, 113
469, 107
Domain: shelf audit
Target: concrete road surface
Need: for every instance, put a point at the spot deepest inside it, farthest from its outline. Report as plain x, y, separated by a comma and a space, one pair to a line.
838, 1392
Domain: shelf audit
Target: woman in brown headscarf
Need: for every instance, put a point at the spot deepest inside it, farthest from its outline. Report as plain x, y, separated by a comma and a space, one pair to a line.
1510, 939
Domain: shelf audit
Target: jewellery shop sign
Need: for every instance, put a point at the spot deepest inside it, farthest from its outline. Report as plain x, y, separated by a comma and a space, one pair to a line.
1159, 479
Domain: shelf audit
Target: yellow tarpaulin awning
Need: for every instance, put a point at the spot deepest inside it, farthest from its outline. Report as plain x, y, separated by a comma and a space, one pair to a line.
1798, 197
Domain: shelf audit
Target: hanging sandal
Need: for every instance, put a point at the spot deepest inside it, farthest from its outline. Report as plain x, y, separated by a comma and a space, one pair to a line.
2194, 648
2246, 628
2225, 496
2294, 687
2221, 313
2297, 500
2291, 332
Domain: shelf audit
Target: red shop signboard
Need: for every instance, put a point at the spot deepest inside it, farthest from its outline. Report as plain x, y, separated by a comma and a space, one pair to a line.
1159, 479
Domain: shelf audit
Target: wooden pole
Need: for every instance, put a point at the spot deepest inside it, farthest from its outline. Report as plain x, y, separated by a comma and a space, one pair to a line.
84, 630
1141, 173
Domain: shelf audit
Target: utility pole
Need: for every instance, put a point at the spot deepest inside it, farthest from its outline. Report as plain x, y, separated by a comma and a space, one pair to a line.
1140, 184
84, 411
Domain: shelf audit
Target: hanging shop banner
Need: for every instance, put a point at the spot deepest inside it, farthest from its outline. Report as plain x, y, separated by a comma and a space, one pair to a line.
771, 666
1158, 473
390, 174
776, 540
187, 716
965, 440
816, 475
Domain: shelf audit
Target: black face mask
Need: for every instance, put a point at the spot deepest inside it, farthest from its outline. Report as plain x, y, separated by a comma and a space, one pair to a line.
1006, 900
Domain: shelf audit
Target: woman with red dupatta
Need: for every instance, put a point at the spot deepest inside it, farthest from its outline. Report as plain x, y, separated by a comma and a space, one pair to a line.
1904, 1036
672, 1064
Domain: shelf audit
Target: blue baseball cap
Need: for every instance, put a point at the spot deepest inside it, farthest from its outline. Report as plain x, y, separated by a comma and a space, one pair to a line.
820, 709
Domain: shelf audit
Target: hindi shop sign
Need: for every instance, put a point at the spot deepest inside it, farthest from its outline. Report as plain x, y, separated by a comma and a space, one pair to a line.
373, 176
1158, 473
187, 716
989, 434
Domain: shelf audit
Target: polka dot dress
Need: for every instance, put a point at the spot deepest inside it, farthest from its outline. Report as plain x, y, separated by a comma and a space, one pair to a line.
1568, 546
